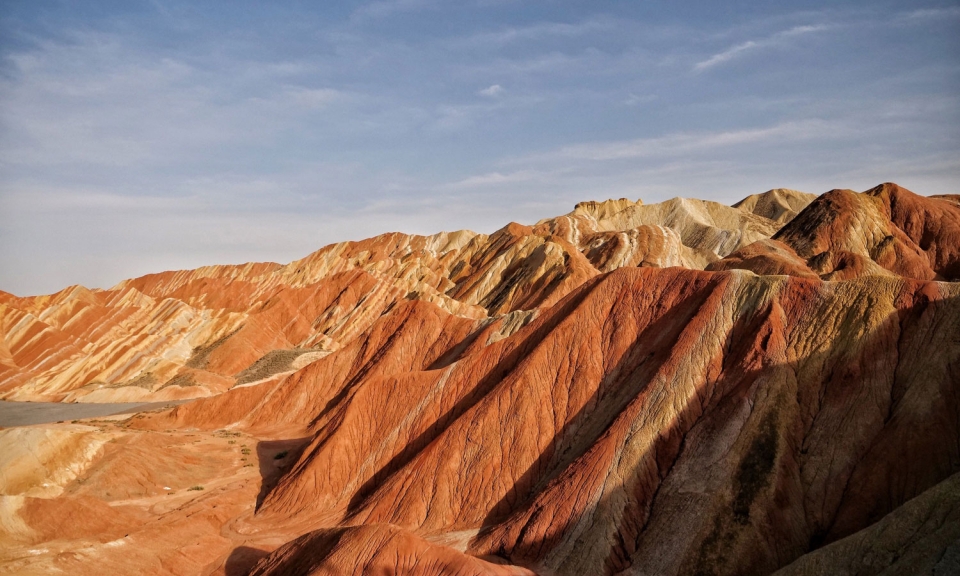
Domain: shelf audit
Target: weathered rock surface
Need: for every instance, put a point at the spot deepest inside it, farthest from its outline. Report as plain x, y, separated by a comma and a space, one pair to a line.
573, 397
376, 549
196, 333
886, 230
39, 461
780, 204
767, 258
920, 537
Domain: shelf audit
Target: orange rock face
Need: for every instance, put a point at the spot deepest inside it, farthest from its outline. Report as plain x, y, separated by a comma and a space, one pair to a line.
197, 333
573, 397
886, 230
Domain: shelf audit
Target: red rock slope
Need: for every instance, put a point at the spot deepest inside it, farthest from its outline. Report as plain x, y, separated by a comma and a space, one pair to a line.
673, 422
886, 230
643, 420
196, 333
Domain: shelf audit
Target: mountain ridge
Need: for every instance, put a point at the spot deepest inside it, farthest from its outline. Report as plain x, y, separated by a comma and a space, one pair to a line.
577, 396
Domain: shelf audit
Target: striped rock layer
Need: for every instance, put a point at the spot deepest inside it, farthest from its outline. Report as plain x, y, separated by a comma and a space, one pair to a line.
574, 397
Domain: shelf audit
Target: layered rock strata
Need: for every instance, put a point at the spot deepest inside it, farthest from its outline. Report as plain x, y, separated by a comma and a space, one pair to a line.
573, 397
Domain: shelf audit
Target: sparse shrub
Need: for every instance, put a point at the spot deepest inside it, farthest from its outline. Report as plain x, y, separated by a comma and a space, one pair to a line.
198, 487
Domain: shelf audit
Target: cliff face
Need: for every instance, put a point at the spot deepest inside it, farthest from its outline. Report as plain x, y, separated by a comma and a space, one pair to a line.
573, 397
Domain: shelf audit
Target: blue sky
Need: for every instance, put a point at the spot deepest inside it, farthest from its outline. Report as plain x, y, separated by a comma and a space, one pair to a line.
143, 136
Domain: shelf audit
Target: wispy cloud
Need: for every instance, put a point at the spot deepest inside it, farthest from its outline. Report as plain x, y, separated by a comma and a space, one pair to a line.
386, 8
635, 100
95, 102
679, 143
493, 91
536, 32
188, 138
933, 13
726, 55
524, 66
497, 178
774, 40
312, 97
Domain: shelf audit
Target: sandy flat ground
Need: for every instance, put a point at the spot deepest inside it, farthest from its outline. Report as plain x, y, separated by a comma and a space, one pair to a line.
28, 413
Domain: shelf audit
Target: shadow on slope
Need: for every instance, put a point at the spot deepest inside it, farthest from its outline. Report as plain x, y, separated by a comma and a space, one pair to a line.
274, 458
242, 559
708, 499
483, 387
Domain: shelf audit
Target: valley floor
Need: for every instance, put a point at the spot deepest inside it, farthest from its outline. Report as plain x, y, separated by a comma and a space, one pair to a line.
30, 413
173, 501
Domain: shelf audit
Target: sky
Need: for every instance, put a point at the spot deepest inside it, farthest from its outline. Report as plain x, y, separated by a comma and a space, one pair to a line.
138, 136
